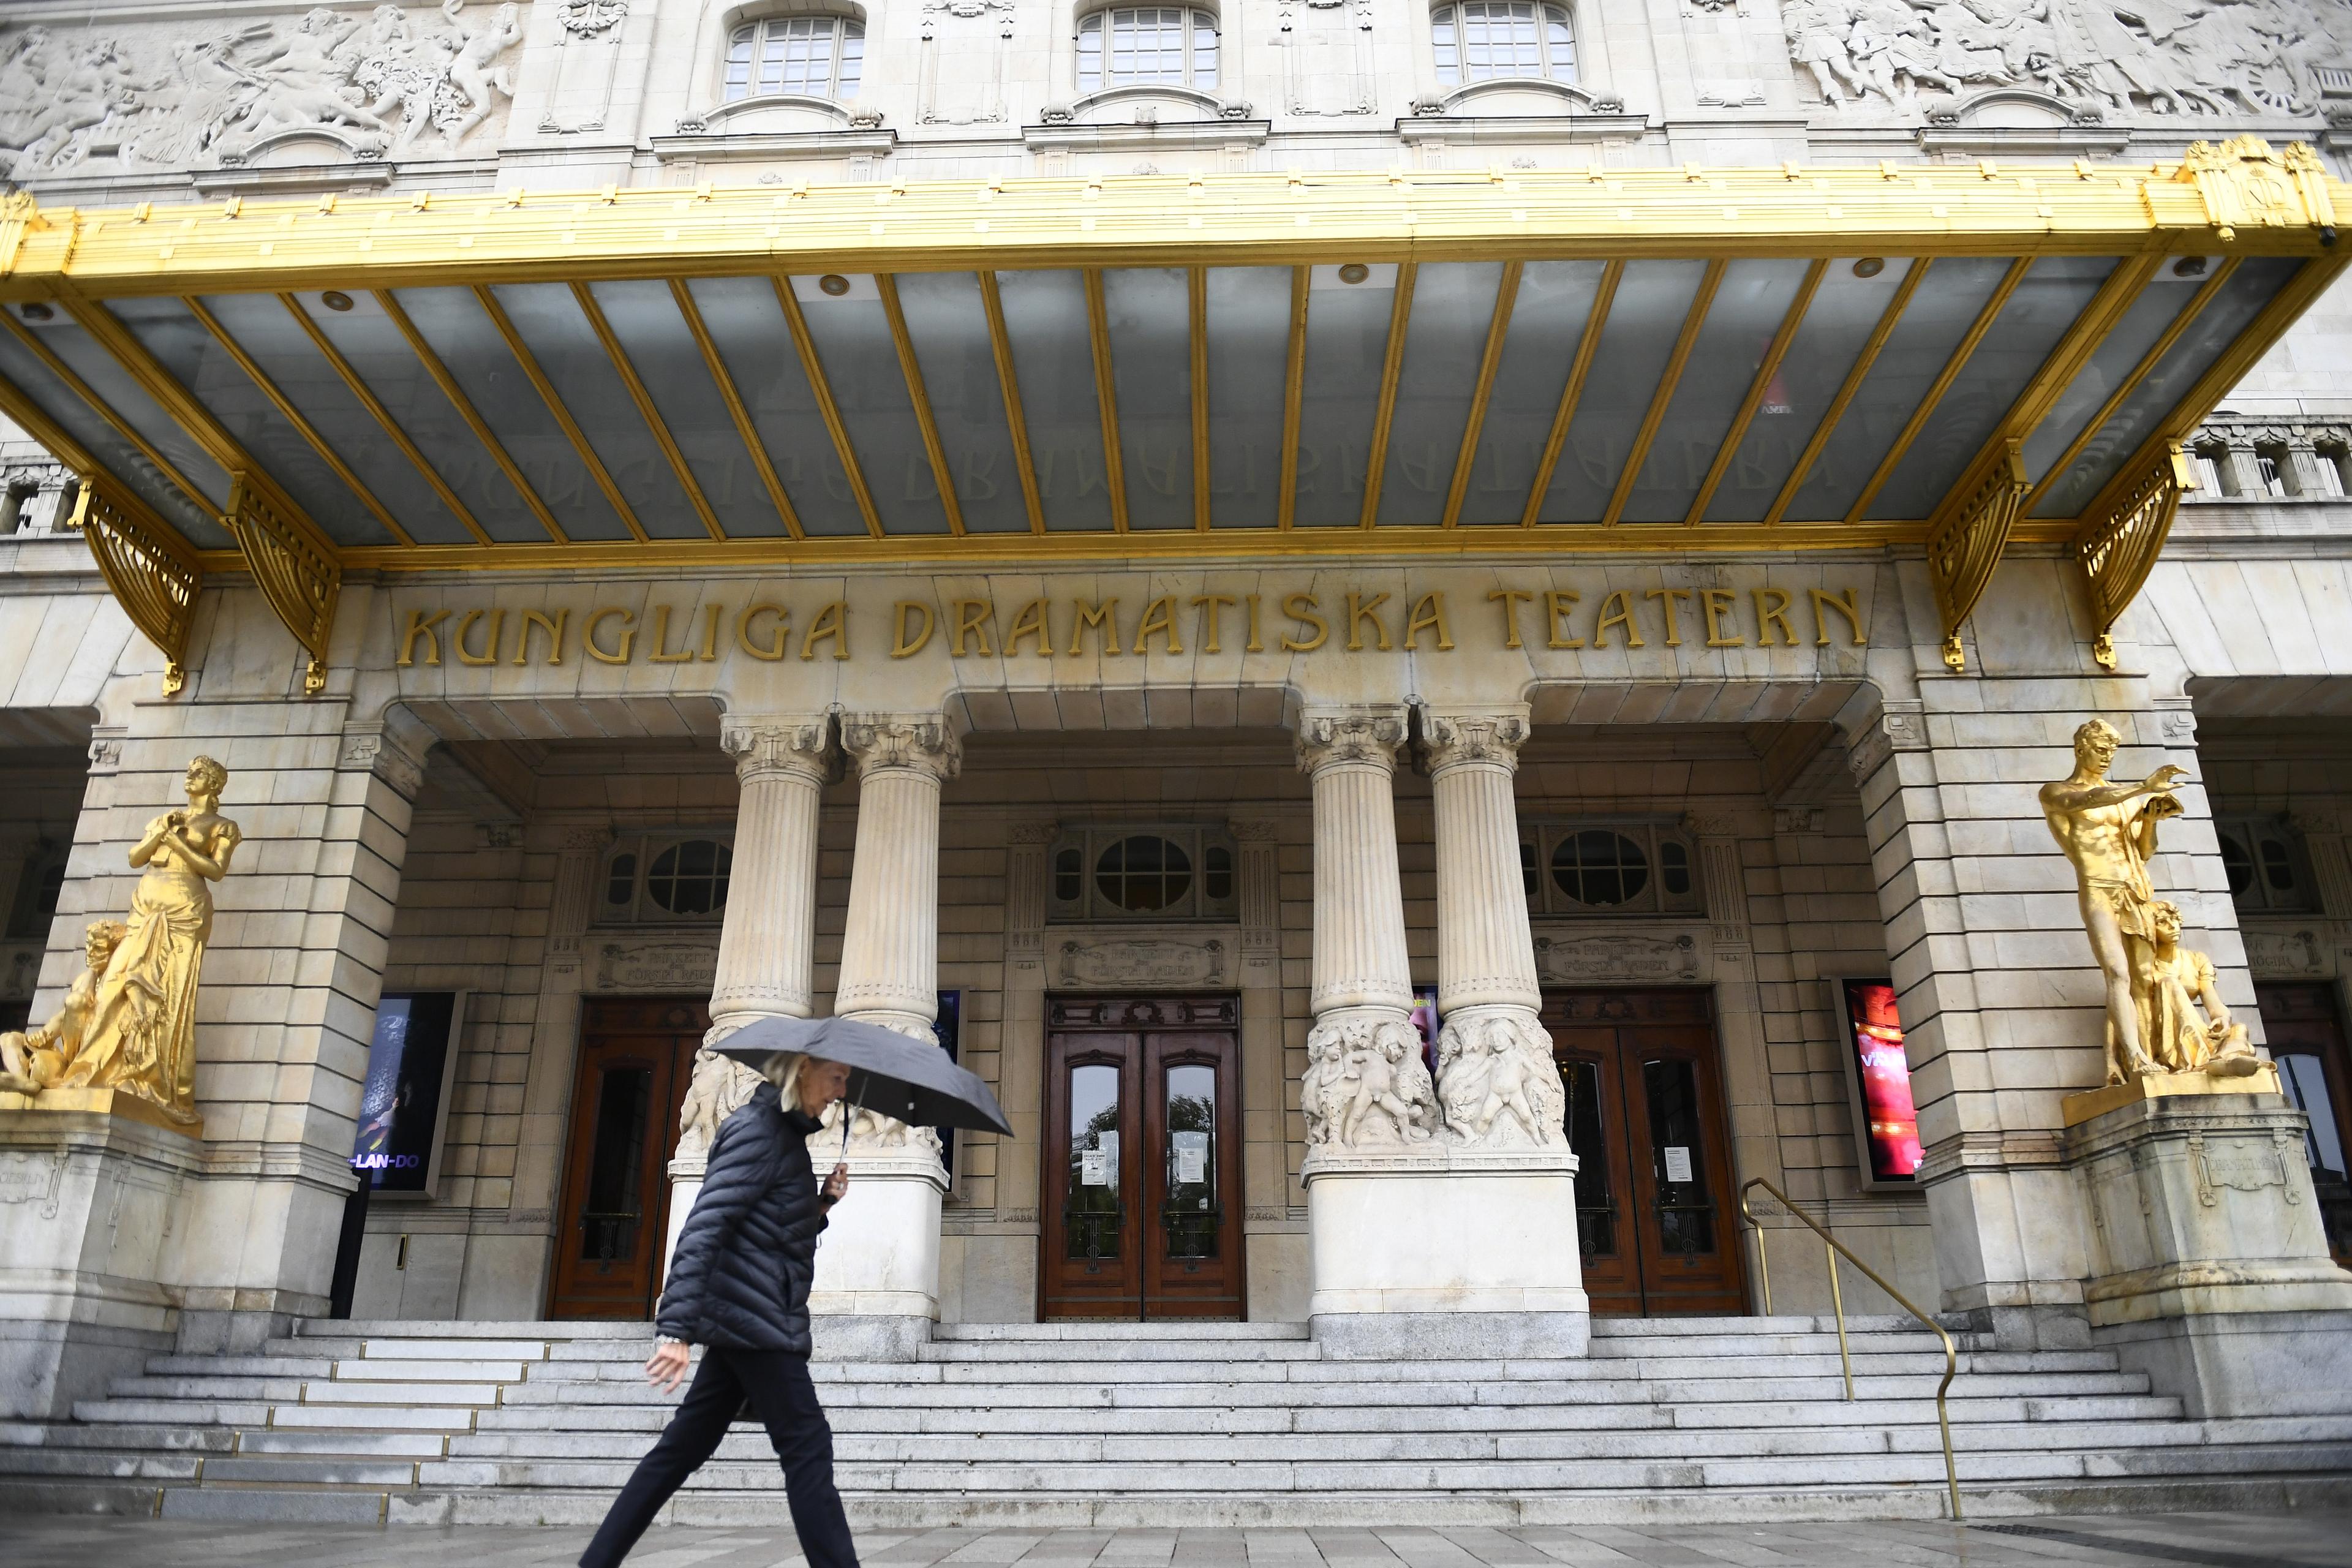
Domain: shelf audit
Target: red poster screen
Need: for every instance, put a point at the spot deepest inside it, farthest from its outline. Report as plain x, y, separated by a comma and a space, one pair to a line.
1875, 1032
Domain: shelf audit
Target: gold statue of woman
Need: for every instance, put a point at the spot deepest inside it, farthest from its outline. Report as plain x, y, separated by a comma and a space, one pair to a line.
142, 1028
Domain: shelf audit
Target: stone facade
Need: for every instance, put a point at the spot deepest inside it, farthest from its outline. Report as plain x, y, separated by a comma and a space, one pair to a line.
1854, 810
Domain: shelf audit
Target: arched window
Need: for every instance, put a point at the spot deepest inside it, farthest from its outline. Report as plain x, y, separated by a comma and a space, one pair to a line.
1148, 45
1480, 40
820, 57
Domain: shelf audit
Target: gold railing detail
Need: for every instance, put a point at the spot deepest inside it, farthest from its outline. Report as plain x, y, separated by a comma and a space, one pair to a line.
1837, 1249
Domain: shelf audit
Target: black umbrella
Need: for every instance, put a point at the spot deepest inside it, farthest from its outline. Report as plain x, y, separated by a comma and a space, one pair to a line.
890, 1074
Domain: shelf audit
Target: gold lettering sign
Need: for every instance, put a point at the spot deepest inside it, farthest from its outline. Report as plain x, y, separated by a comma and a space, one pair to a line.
1355, 621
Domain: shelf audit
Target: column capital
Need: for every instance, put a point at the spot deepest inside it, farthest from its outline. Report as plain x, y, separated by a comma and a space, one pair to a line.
765, 745
1453, 737
1328, 737
914, 743
394, 751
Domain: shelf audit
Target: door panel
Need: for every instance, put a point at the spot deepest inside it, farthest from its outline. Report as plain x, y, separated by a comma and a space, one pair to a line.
1142, 1166
636, 1059
2307, 1039
1646, 1117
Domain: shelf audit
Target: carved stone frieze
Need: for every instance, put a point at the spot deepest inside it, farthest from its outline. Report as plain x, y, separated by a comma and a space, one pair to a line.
1497, 1085
2252, 56
2279, 955
160, 94
657, 965
721, 1087
1366, 1087
1160, 961
1582, 958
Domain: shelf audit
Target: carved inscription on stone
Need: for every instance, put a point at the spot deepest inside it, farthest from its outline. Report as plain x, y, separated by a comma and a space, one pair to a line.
393, 82
657, 966
1617, 957
2285, 952
1147, 961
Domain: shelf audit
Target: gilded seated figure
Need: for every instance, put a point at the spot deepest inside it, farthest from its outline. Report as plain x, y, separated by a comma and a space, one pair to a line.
2171, 983
141, 1037
38, 1058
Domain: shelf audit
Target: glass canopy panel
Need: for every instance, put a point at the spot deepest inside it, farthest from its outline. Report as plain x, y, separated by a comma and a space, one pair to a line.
947, 324
1346, 340
755, 344
1846, 311
459, 332
125, 461
371, 345
1548, 321
1054, 360
644, 318
87, 359
852, 334
556, 332
1647, 316
1249, 363
276, 342
168, 330
2167, 294
1913, 355
2249, 288
1149, 310
2029, 329
1749, 308
1444, 339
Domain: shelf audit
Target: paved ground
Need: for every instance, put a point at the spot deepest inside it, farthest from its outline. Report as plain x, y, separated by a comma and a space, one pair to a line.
2217, 1540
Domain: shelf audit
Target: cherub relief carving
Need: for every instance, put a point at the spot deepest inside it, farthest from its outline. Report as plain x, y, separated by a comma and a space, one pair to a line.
1365, 1086
1496, 1083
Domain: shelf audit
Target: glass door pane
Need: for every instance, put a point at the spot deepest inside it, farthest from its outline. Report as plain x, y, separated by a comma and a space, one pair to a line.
1686, 1217
1189, 1214
611, 1221
1092, 1213
1587, 1139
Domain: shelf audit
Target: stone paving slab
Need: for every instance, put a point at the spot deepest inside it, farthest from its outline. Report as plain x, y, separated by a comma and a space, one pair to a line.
2306, 1540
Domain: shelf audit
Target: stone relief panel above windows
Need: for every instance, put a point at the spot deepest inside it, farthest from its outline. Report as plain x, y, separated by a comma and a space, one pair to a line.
2084, 60
397, 82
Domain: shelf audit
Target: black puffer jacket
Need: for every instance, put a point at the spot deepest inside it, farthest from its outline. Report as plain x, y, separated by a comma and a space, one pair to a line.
740, 1277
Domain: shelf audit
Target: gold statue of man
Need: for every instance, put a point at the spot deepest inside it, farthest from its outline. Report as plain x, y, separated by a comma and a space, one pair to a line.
2108, 831
37, 1058
142, 1036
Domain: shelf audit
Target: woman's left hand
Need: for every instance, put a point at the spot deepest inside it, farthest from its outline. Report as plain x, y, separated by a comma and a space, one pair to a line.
836, 1185
666, 1367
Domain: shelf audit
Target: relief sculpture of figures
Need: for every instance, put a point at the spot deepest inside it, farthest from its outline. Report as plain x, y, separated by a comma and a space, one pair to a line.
2108, 832
1365, 1086
132, 1026
1497, 1084
164, 97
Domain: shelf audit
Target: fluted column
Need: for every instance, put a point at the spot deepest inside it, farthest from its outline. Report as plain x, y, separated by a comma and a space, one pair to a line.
877, 1275
1497, 1084
767, 938
1366, 1087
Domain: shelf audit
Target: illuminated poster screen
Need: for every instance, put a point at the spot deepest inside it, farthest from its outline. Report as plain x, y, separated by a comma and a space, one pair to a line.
1890, 1126
400, 1103
1425, 1024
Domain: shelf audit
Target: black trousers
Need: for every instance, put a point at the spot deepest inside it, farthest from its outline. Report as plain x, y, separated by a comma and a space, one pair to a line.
776, 1385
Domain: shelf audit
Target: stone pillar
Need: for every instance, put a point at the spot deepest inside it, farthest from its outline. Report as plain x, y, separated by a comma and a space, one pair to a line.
767, 942
877, 1272
1432, 1234
573, 898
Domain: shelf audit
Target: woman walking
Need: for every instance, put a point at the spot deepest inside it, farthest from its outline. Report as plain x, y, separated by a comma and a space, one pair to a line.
738, 1287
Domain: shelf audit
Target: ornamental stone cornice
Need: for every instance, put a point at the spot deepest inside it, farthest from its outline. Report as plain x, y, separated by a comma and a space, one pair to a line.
1457, 737
1364, 736
923, 743
785, 744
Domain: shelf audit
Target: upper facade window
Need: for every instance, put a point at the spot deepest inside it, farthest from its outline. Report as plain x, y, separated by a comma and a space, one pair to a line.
1612, 869
664, 878
1122, 871
2263, 863
1483, 40
820, 57
1164, 46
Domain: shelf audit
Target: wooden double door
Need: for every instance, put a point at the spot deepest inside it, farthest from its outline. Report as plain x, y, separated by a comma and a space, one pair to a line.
637, 1058
1656, 1221
1141, 1177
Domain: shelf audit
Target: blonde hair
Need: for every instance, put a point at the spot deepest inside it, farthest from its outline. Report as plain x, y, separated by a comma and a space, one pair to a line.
784, 1070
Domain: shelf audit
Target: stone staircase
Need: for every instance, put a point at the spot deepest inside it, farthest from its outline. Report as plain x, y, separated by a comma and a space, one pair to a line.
1168, 1424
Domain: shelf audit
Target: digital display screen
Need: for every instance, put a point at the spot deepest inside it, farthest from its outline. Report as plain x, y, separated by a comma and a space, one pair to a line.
1891, 1124
1424, 1019
400, 1103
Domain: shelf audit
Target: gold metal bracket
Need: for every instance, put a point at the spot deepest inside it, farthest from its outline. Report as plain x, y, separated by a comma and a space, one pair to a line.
154, 574
296, 569
1965, 543
2119, 548
2244, 182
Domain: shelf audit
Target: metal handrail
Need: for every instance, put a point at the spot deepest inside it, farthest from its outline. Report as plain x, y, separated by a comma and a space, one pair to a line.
1837, 1301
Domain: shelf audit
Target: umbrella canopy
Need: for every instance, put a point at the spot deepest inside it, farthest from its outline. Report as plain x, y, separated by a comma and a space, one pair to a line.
890, 1074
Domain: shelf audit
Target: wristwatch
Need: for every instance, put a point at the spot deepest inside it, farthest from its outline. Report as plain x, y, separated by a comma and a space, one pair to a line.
674, 1339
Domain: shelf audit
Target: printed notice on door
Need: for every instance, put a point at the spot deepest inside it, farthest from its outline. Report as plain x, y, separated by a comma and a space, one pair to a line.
1094, 1168
1678, 1163
1191, 1151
